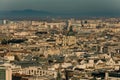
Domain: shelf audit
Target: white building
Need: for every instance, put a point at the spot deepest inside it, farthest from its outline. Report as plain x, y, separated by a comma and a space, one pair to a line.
37, 71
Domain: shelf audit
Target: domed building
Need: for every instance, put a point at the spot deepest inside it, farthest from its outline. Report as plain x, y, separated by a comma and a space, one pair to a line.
70, 38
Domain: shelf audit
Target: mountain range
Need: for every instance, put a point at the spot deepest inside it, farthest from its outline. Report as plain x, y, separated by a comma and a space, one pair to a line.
41, 13
27, 12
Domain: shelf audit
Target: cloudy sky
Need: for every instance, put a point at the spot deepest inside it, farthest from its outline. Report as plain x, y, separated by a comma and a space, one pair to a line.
64, 6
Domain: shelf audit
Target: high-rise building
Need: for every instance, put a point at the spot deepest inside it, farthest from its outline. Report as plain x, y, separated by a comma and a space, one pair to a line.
5, 73
1, 22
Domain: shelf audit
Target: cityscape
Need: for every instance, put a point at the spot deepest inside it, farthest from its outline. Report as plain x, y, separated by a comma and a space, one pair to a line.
59, 40
60, 49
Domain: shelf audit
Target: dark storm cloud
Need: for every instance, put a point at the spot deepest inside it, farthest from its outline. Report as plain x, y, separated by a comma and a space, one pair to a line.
63, 6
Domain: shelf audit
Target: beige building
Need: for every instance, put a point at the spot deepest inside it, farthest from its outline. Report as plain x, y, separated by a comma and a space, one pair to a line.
5, 73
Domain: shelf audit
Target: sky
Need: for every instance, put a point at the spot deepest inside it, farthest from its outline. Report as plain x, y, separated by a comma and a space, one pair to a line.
64, 6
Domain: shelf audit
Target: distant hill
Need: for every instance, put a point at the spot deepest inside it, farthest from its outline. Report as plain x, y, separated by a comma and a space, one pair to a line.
26, 13
37, 14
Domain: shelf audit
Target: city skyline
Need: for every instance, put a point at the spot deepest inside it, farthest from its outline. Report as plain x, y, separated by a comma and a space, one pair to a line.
59, 40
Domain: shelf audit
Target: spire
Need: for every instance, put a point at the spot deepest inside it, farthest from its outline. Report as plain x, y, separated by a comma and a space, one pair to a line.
71, 32
58, 75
